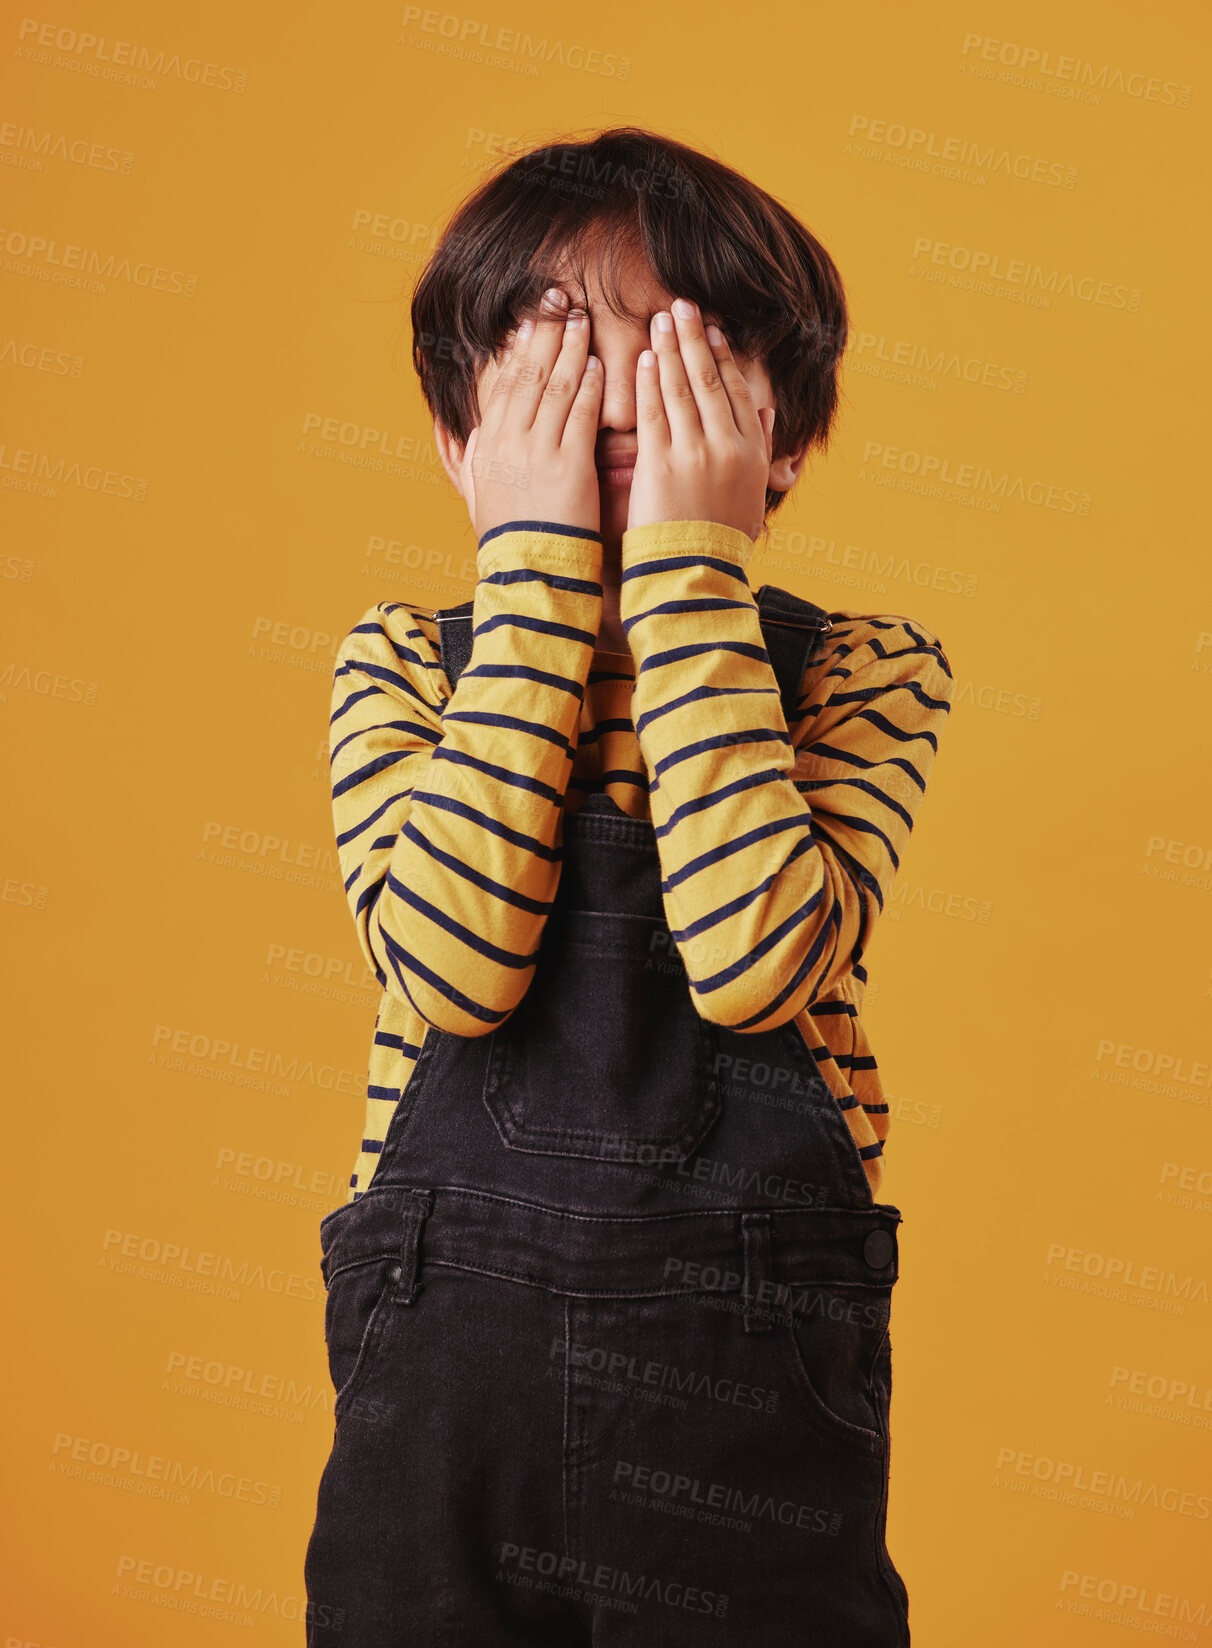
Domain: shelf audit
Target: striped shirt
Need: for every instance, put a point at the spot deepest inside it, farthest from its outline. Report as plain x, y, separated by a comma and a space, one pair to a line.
778, 842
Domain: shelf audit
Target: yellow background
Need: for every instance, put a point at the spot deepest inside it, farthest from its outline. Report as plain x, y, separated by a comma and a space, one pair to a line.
166, 669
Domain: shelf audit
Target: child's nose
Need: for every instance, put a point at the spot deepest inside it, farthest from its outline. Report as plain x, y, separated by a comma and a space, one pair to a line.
619, 356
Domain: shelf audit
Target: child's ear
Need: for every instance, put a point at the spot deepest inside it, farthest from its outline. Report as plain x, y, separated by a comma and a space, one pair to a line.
785, 469
451, 452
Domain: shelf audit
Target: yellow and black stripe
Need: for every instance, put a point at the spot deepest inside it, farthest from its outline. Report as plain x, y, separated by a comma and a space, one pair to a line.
779, 838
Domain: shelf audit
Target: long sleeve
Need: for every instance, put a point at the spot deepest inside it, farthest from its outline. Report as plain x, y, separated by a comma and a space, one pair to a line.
778, 845
447, 809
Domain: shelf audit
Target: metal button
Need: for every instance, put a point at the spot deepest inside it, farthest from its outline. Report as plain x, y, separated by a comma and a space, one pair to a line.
394, 1273
878, 1249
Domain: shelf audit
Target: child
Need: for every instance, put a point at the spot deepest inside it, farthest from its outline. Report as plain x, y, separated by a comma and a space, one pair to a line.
608, 1304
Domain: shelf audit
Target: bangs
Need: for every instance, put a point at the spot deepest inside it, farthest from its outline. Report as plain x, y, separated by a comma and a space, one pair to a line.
565, 212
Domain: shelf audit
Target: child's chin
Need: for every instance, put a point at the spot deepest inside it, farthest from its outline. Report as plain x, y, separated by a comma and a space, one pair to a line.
613, 503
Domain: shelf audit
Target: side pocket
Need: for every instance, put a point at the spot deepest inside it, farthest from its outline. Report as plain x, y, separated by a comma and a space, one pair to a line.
835, 1340
357, 1313
364, 1246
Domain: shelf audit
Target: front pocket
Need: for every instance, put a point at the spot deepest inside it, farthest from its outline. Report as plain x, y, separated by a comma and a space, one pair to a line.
605, 1056
834, 1340
357, 1310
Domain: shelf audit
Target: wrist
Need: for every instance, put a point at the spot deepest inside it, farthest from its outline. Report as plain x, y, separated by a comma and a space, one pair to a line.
574, 550
557, 529
687, 537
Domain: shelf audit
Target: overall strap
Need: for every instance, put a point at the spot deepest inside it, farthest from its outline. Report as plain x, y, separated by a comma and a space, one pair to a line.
791, 630
454, 637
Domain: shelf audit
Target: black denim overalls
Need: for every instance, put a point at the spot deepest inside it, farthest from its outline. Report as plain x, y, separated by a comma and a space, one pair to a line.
609, 1327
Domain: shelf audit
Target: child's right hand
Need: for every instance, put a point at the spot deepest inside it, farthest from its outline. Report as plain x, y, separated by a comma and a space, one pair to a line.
532, 457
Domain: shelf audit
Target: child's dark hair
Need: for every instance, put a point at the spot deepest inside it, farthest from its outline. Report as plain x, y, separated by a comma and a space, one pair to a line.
708, 233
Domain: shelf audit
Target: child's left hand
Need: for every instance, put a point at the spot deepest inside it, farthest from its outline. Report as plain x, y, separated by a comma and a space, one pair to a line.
703, 447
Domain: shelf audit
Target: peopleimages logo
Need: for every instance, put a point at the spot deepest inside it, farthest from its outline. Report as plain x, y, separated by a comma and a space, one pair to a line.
22, 469
469, 37
212, 1596
114, 1465
599, 1582
1130, 1601
93, 51
201, 1046
896, 139
1117, 1275
1160, 1388
127, 1253
1148, 1061
1076, 71
32, 147
1072, 1477
903, 358
937, 470
74, 265
975, 261
622, 1371
717, 1503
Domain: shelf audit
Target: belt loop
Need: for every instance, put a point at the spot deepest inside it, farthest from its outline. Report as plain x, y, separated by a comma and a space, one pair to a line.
418, 1205
755, 1242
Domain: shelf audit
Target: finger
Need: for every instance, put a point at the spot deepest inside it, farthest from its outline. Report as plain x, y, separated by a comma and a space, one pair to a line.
652, 431
532, 370
713, 393
681, 406
500, 393
505, 353
565, 379
740, 395
583, 414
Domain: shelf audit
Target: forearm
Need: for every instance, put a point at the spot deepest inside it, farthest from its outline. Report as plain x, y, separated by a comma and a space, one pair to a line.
747, 893
457, 919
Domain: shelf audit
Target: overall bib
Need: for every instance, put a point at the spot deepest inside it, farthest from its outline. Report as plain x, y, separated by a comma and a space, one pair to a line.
608, 1330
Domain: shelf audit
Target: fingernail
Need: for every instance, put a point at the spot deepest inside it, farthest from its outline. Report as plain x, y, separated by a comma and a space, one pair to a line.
714, 335
664, 321
647, 358
576, 318
554, 295
683, 307
525, 329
